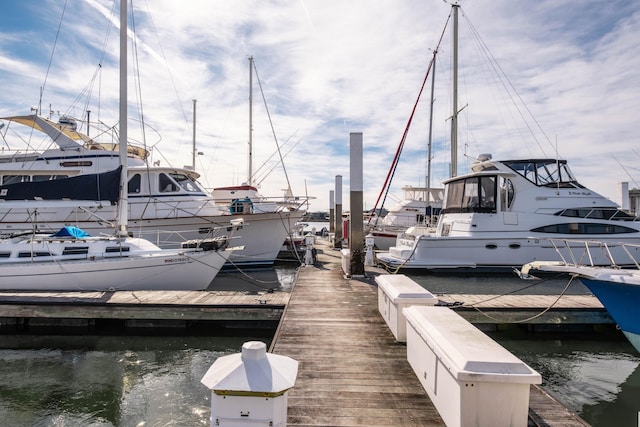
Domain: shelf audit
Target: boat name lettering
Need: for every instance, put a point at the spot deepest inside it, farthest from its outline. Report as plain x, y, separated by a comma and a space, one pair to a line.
579, 193
174, 260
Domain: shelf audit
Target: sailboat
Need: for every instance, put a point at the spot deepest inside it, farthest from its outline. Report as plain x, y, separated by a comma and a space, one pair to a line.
501, 215
167, 204
246, 197
70, 260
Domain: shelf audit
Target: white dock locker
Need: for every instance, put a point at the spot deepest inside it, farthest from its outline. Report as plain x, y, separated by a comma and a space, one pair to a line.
471, 379
395, 293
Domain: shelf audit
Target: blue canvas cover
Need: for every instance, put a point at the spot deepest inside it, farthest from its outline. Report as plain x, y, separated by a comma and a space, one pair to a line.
71, 231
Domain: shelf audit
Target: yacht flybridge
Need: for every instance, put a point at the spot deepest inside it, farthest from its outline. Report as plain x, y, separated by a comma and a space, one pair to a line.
502, 214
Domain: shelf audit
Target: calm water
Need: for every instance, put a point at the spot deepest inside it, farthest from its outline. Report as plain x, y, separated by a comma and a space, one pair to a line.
155, 381
107, 381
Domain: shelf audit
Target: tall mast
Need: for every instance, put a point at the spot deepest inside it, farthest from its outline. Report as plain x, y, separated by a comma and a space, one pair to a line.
123, 202
250, 157
428, 180
193, 157
454, 117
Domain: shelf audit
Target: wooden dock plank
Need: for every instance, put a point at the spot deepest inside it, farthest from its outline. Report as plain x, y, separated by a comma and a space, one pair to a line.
351, 371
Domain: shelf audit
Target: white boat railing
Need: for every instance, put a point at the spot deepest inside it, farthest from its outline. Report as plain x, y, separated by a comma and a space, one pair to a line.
582, 252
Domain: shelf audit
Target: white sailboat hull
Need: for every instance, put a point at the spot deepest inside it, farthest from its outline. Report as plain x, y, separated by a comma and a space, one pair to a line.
143, 269
261, 238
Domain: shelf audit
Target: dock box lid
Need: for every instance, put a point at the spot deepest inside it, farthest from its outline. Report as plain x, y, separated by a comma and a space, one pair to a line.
401, 289
468, 353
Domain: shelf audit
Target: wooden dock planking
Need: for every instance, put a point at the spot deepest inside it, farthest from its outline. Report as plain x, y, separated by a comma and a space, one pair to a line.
139, 305
352, 372
540, 309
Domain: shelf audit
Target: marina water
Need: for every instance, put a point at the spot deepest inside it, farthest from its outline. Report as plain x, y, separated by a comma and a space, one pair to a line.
140, 381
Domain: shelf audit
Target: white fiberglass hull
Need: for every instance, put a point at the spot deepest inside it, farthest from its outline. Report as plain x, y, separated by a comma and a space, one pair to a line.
261, 237
487, 254
159, 270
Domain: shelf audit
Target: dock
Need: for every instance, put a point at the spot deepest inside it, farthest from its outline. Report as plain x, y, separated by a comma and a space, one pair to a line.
193, 312
351, 370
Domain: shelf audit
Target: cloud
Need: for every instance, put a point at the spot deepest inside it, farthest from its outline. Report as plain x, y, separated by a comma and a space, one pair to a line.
328, 68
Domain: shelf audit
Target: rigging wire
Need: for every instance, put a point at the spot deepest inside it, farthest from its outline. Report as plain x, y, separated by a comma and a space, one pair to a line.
53, 50
509, 88
264, 99
387, 183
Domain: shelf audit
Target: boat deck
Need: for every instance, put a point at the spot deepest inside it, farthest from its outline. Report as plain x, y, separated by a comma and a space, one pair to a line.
351, 371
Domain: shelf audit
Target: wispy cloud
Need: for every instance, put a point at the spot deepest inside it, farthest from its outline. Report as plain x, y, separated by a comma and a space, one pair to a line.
331, 67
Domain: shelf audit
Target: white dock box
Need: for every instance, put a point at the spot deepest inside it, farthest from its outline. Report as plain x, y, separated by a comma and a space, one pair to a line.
396, 292
250, 388
471, 379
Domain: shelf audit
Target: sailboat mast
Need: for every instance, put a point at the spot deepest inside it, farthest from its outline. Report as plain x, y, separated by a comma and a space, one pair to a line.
428, 180
193, 153
454, 117
250, 157
123, 199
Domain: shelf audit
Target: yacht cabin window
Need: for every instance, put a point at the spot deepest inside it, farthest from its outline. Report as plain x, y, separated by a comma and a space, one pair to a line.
14, 179
473, 194
186, 182
134, 185
584, 228
166, 184
506, 194
545, 172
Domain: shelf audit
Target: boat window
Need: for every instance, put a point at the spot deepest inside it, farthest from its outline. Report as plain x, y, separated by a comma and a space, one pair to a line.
116, 249
75, 250
455, 191
14, 179
186, 182
134, 184
471, 197
506, 194
596, 213
584, 228
32, 254
5, 254
474, 194
166, 184
545, 172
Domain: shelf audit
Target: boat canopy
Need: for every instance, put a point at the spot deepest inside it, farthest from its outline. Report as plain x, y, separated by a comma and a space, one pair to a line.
67, 137
63, 135
103, 186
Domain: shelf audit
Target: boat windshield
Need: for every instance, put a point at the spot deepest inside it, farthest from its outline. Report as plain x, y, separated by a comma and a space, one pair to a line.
471, 194
187, 183
546, 172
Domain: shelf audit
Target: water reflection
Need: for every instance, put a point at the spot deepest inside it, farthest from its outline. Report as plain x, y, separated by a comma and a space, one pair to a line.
108, 381
597, 375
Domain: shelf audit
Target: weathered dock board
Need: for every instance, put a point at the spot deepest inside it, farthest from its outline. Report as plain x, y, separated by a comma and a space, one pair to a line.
22, 311
532, 309
352, 372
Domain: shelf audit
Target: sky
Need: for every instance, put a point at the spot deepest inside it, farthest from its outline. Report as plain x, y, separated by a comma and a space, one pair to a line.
326, 69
